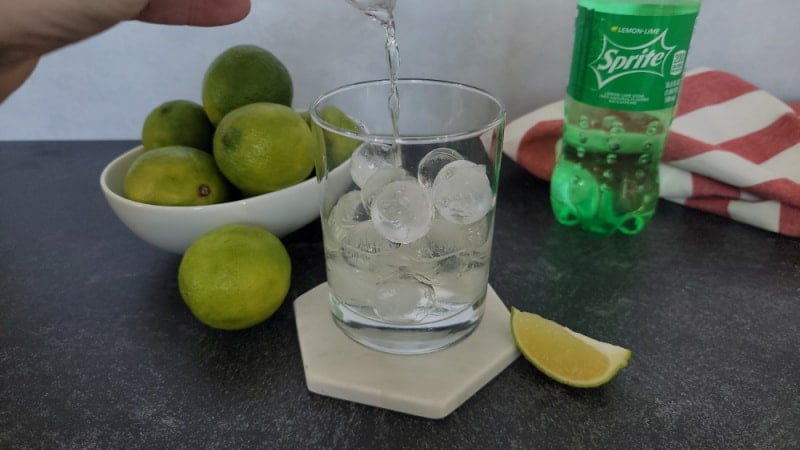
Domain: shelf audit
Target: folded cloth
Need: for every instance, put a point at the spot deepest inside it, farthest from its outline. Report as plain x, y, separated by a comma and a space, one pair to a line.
733, 150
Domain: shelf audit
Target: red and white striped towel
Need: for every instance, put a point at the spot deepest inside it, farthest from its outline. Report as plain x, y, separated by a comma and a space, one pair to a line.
733, 150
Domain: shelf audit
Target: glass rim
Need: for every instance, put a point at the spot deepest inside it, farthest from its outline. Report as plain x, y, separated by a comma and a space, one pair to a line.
412, 138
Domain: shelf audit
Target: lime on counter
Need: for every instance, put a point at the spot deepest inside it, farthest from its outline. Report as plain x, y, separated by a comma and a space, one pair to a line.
235, 276
564, 355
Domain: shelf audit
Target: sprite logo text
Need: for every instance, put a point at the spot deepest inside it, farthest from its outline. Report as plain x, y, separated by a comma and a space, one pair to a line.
616, 61
629, 62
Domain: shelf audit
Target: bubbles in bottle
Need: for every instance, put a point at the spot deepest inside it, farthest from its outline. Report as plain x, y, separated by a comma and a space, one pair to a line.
611, 121
652, 128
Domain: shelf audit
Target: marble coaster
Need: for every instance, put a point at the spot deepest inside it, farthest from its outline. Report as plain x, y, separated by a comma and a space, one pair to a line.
431, 385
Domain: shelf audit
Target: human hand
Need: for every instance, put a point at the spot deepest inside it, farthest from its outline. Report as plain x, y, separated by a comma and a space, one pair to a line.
31, 28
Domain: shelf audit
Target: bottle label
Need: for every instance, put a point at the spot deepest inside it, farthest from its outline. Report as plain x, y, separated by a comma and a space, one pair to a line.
627, 62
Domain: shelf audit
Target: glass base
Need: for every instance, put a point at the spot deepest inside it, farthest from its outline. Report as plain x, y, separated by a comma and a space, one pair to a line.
406, 339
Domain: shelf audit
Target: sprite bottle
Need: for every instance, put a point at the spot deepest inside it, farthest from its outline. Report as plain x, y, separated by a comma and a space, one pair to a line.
627, 66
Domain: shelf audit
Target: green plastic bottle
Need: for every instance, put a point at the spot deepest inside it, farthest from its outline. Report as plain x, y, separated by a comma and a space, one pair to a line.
627, 67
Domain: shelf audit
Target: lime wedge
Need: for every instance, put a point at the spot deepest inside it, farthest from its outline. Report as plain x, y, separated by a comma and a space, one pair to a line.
564, 355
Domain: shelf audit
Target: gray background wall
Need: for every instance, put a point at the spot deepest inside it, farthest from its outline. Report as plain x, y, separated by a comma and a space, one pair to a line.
103, 88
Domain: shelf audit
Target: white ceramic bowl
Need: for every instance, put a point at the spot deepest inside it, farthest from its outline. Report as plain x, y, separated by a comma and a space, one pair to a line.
174, 228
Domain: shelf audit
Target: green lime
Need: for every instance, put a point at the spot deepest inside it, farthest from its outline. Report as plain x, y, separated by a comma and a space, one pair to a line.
175, 176
264, 147
177, 122
242, 75
235, 276
339, 147
564, 355
306, 117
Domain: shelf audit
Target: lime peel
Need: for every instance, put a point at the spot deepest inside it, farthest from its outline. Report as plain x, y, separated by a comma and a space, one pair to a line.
564, 355
235, 276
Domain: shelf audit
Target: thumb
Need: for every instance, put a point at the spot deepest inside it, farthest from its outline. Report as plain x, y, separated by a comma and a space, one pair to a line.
195, 12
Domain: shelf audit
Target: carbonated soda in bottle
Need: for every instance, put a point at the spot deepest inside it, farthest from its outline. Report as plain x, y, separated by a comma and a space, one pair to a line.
627, 66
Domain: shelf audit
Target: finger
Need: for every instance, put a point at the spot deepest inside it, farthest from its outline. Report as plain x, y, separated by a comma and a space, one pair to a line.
195, 12
11, 78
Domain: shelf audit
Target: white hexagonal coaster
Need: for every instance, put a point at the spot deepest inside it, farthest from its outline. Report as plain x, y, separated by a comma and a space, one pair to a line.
431, 385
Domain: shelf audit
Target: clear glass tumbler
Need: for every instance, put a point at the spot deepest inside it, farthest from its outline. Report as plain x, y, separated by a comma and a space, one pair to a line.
408, 219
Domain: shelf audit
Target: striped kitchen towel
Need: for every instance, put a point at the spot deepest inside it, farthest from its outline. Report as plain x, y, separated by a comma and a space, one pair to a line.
733, 150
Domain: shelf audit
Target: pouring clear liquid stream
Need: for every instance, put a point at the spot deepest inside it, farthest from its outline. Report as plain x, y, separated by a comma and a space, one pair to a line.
383, 12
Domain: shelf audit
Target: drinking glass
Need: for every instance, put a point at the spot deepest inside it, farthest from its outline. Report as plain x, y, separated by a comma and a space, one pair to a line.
408, 234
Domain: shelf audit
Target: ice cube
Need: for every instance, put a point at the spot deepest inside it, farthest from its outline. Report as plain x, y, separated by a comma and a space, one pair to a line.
369, 158
347, 213
404, 299
446, 238
364, 248
350, 285
462, 192
477, 233
461, 287
433, 162
380, 179
402, 212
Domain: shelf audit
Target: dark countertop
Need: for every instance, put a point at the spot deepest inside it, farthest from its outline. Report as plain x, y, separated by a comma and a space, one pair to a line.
97, 349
